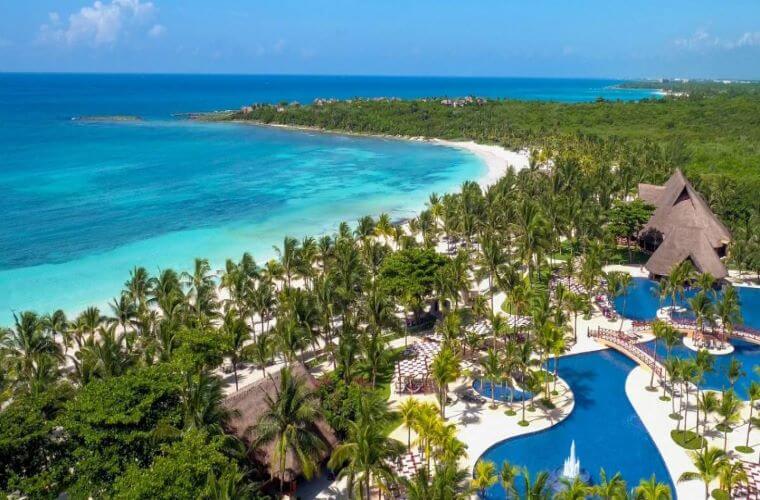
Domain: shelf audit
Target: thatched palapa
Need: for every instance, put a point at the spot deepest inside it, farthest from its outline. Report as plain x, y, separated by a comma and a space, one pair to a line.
682, 227
250, 404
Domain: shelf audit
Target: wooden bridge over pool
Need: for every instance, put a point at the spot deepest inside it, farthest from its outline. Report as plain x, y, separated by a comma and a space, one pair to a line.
627, 345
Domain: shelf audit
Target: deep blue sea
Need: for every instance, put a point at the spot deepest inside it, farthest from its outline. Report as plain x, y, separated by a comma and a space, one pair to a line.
84, 202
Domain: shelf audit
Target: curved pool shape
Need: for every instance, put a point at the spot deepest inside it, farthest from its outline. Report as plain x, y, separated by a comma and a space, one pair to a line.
641, 302
501, 392
607, 431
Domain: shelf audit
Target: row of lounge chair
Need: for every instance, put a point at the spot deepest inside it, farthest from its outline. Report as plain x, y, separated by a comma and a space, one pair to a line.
606, 307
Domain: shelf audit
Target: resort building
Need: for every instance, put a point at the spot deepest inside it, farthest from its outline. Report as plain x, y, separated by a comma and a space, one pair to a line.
682, 227
250, 403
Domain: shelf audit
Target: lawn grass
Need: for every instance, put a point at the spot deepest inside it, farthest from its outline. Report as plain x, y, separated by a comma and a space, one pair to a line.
688, 439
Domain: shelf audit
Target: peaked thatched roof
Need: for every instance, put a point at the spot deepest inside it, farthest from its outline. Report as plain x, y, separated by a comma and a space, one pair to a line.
686, 226
250, 404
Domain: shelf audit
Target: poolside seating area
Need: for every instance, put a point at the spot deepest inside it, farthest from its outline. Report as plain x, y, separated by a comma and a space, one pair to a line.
470, 395
606, 306
569, 283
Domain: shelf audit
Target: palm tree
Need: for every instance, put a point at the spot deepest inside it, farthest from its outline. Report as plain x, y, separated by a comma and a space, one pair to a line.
576, 304
289, 423
708, 403
446, 483
731, 475
610, 488
535, 489
444, 370
650, 489
702, 307
679, 275
289, 337
754, 395
260, 351
659, 329
730, 412
507, 477
573, 490
614, 287
734, 372
87, 322
375, 353
108, 354
625, 285
236, 334
484, 476
492, 371
708, 463
139, 286
57, 324
492, 258
409, 411
384, 228
124, 310
727, 309
366, 453
201, 291
288, 257
201, 398
231, 484
27, 343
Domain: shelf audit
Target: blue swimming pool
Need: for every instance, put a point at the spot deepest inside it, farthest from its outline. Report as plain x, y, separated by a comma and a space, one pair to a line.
641, 302
607, 431
502, 391
748, 354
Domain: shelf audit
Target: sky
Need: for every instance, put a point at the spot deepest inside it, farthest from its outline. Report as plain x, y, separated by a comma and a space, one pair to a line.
540, 38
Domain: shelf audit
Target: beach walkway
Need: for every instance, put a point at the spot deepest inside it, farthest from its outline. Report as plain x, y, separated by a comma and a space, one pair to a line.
621, 343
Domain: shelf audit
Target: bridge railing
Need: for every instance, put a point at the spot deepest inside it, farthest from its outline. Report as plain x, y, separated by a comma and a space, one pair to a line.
637, 352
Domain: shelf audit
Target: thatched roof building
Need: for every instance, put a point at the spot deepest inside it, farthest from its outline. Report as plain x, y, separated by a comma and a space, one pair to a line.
250, 404
682, 227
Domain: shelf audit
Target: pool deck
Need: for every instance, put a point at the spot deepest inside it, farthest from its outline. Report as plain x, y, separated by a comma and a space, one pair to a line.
654, 414
481, 427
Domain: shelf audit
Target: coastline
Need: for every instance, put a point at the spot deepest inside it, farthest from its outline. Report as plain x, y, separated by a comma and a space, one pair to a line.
491, 163
496, 158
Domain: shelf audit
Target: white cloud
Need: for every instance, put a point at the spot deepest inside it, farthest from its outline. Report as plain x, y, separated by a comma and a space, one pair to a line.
101, 23
702, 40
748, 39
157, 30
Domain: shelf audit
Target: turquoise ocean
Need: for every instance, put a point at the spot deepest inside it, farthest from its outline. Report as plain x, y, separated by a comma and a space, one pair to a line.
85, 201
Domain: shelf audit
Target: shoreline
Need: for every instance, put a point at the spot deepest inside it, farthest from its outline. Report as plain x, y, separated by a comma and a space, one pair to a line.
495, 158
494, 161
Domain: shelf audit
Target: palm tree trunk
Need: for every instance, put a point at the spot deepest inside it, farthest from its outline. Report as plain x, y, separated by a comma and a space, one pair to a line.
749, 421
575, 328
234, 371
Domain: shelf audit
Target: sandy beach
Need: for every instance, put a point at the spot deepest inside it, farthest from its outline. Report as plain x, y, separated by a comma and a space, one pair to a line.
496, 158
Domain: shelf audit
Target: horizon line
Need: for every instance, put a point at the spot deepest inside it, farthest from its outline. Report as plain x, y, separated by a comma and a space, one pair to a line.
344, 75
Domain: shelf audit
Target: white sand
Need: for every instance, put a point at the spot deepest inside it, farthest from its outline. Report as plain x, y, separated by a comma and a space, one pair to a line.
496, 158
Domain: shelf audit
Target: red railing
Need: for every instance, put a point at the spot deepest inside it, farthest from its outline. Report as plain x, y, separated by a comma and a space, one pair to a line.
636, 352
739, 331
